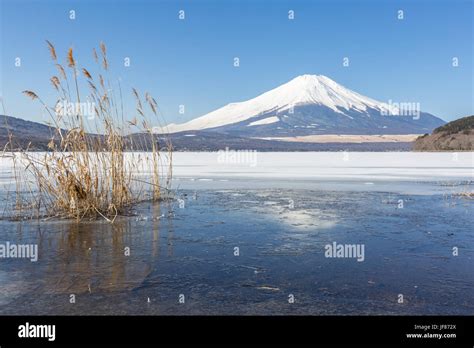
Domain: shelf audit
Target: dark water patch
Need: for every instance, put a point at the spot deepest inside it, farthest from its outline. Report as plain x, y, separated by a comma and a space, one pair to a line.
279, 237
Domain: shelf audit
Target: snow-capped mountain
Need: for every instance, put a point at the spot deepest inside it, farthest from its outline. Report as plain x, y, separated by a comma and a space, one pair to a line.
311, 104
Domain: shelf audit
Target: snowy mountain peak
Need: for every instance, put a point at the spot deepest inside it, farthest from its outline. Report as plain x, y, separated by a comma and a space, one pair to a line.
320, 89
318, 92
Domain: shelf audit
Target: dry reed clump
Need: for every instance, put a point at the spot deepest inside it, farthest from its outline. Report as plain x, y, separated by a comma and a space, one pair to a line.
467, 194
91, 166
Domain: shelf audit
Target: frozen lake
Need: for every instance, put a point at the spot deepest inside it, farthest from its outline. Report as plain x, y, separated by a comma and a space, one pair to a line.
245, 236
243, 167
387, 171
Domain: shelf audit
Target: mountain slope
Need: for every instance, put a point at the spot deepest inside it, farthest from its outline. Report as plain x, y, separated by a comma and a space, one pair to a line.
24, 133
457, 135
306, 105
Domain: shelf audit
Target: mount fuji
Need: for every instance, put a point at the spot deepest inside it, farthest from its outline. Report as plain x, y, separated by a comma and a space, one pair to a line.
310, 105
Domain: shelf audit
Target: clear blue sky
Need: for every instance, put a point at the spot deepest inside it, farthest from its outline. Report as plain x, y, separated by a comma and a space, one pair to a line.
190, 62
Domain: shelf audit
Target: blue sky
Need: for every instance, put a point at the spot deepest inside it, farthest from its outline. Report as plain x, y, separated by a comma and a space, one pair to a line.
190, 61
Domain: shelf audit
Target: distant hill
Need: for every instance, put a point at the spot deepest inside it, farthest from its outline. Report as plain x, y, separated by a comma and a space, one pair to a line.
24, 133
457, 135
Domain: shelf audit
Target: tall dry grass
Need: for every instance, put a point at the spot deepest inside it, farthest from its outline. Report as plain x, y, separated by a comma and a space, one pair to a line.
91, 166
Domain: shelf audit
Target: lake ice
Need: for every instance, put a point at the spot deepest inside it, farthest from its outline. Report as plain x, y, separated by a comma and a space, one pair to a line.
404, 208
